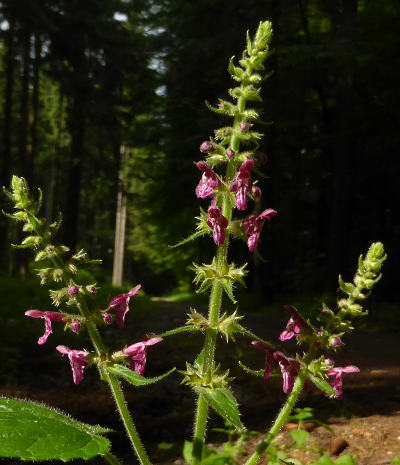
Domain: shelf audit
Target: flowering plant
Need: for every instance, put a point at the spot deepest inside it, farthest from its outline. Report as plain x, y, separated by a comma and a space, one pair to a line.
227, 183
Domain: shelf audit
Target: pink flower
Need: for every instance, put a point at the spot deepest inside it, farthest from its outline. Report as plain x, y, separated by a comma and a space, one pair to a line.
218, 223
208, 182
269, 359
242, 184
289, 368
48, 318
73, 290
78, 360
253, 227
295, 324
76, 326
121, 305
137, 354
337, 382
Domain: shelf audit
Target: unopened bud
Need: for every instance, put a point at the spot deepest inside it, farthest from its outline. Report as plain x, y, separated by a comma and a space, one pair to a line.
73, 290
107, 318
244, 127
329, 362
230, 153
206, 147
335, 341
76, 326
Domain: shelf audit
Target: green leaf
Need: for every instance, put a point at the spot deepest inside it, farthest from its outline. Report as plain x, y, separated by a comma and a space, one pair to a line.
223, 402
228, 288
395, 461
134, 378
325, 460
323, 385
33, 431
345, 460
299, 436
188, 239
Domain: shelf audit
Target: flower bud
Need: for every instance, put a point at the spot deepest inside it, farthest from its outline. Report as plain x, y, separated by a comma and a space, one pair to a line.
335, 341
107, 318
230, 153
244, 127
73, 290
329, 362
206, 147
76, 326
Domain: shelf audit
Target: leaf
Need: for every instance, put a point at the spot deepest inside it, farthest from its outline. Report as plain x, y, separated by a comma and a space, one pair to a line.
323, 385
395, 461
299, 436
33, 431
134, 378
345, 460
188, 239
223, 402
228, 288
325, 460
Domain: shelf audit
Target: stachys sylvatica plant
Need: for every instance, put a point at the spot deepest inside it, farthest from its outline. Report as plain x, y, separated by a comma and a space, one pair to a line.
227, 188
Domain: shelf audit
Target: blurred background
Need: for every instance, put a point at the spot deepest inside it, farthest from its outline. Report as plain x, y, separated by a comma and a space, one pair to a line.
95, 91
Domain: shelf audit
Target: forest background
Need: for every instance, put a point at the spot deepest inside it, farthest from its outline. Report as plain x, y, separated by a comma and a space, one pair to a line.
93, 89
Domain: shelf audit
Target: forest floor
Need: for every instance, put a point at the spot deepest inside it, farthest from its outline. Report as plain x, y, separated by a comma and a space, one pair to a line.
366, 421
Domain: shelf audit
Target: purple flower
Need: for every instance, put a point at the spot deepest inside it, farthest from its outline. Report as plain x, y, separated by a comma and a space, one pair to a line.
208, 182
48, 318
78, 360
230, 153
337, 382
242, 184
121, 305
218, 223
137, 354
295, 324
206, 147
289, 368
73, 290
244, 127
253, 227
269, 359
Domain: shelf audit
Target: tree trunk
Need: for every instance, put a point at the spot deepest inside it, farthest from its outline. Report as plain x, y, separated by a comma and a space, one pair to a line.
120, 222
33, 146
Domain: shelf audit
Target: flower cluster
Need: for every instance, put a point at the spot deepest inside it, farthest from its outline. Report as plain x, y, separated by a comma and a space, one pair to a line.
290, 367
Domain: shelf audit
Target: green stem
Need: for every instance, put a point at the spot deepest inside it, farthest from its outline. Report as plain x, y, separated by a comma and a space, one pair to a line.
280, 420
215, 306
126, 418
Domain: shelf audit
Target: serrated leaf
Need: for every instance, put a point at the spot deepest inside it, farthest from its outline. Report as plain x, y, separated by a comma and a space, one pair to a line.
223, 402
299, 436
134, 378
323, 385
33, 431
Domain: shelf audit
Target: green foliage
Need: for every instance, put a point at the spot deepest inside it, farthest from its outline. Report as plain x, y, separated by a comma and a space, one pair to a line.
32, 431
223, 402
